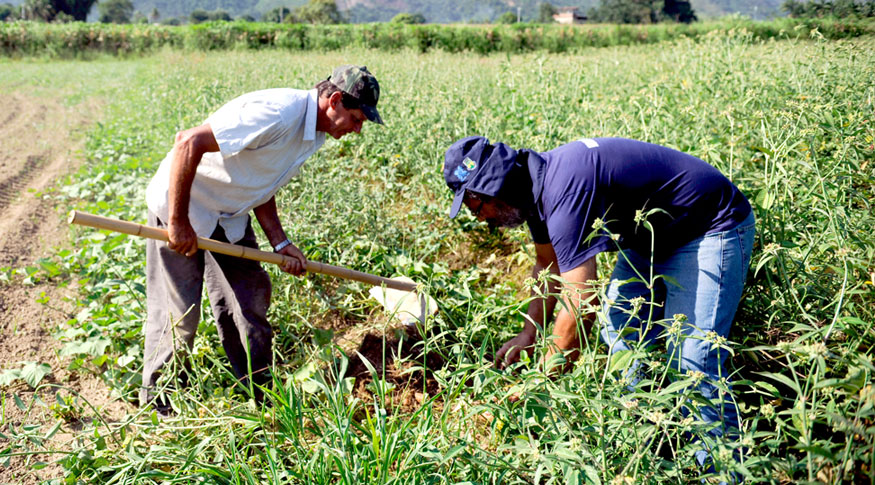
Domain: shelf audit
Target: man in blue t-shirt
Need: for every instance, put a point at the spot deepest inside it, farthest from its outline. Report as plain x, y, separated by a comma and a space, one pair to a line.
683, 230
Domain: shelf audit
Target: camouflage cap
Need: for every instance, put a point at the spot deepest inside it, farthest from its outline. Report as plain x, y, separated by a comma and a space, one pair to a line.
359, 83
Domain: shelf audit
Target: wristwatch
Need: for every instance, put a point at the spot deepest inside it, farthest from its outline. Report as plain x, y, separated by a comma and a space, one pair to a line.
279, 247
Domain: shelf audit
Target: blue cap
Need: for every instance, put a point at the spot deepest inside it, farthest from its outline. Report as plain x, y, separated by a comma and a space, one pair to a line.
474, 164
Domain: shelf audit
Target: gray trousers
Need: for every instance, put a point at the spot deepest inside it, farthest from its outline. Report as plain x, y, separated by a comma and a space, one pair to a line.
239, 293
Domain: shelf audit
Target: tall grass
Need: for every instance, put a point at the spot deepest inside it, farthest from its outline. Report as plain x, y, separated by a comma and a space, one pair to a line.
790, 122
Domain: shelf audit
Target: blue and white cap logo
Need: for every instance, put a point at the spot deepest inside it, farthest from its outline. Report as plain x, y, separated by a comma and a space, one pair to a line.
465, 169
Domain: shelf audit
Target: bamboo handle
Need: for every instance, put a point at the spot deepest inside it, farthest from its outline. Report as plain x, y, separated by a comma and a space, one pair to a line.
135, 229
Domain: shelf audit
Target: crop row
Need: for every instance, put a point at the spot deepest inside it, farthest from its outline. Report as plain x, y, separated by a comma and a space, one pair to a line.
78, 38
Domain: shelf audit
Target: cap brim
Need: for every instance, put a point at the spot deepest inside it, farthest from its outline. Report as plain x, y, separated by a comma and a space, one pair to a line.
457, 203
372, 113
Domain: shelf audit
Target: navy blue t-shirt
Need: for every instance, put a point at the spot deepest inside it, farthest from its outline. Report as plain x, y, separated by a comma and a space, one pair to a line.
613, 178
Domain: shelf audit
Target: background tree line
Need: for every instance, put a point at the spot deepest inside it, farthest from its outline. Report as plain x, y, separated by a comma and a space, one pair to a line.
328, 12
829, 8
47, 10
123, 11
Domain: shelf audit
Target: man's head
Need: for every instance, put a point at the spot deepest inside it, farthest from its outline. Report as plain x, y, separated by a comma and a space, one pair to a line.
346, 99
489, 179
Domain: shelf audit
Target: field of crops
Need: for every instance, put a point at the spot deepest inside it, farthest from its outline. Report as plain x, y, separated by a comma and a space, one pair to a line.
86, 39
791, 122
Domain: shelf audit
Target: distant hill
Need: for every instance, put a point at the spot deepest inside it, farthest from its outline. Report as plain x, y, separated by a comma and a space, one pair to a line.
446, 11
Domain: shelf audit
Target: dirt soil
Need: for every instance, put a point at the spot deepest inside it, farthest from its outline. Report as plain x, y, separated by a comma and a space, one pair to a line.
41, 142
402, 363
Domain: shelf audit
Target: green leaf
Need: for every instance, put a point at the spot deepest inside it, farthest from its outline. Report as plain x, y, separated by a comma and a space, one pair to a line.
311, 386
566, 454
305, 372
452, 452
49, 267
676, 386
762, 262
19, 403
124, 360
768, 388
762, 150
621, 360
51, 432
572, 476
33, 372
765, 199
563, 395
819, 451
671, 281
782, 379
9, 376
322, 337
591, 475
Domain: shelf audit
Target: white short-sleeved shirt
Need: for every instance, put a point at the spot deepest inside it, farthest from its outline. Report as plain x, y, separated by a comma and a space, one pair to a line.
264, 137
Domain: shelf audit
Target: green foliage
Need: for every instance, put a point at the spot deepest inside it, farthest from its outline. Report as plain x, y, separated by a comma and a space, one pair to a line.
627, 11
408, 18
447, 11
506, 18
323, 12
279, 15
642, 11
7, 12
200, 16
78, 39
76, 9
829, 8
787, 119
546, 11
49, 10
115, 11
31, 373
678, 11
38, 10
220, 15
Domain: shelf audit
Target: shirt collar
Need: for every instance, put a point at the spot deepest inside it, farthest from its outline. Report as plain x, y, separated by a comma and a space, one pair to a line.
310, 120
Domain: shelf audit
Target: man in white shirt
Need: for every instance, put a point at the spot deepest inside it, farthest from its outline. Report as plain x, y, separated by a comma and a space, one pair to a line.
213, 177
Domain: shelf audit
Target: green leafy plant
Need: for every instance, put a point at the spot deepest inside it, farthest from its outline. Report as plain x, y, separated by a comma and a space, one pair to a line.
787, 116
30, 372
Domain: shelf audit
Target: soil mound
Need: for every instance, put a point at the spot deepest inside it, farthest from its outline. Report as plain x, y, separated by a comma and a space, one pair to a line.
402, 362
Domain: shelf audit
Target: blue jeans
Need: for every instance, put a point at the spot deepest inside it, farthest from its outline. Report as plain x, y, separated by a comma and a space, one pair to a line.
710, 273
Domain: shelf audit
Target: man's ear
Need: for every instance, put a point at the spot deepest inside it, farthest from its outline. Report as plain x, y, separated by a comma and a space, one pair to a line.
336, 97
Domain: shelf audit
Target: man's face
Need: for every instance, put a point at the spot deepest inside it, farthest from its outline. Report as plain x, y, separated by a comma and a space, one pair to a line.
342, 121
495, 212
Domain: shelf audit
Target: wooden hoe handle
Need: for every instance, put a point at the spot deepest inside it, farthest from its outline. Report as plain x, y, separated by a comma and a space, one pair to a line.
135, 229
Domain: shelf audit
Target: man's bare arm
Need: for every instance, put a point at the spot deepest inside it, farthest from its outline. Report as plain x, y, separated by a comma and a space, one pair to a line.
270, 222
540, 310
188, 149
576, 294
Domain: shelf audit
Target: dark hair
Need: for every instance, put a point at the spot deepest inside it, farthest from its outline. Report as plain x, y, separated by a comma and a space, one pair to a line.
326, 88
